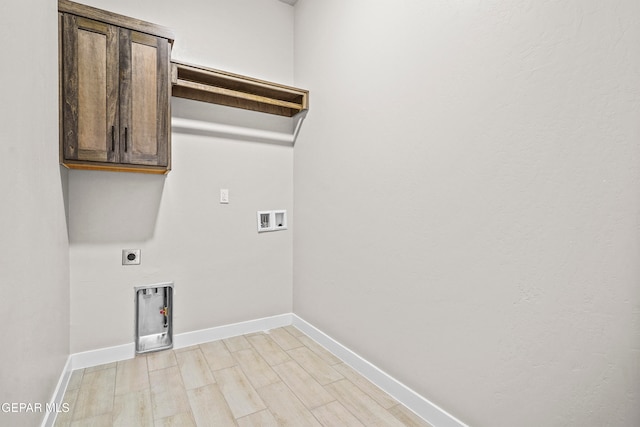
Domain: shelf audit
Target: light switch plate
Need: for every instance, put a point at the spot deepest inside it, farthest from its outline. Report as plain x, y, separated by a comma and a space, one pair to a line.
224, 195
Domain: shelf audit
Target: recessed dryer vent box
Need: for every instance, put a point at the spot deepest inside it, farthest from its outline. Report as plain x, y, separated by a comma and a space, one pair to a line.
154, 317
280, 220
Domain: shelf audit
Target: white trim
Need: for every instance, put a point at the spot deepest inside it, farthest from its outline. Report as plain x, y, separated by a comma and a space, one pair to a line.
227, 331
425, 409
101, 356
58, 395
422, 407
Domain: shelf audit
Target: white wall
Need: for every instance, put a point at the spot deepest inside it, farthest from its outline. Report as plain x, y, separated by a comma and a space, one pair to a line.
34, 266
466, 194
249, 37
224, 272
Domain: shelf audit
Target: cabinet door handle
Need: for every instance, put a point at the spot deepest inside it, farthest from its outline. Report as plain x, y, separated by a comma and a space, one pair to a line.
113, 138
126, 141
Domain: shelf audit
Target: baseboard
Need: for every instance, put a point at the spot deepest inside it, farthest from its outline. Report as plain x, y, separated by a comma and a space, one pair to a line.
56, 401
425, 409
101, 356
227, 331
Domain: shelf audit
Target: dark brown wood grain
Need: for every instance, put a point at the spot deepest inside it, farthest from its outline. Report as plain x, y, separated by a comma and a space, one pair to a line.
124, 80
233, 90
70, 87
146, 97
114, 104
164, 94
89, 70
113, 87
78, 9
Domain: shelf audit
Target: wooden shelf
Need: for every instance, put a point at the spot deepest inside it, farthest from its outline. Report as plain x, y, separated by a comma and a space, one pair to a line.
233, 90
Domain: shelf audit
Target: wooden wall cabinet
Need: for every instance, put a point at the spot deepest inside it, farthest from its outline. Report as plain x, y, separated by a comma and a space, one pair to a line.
115, 91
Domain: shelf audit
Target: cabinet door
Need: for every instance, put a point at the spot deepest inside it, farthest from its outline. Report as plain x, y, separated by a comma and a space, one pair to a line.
144, 99
90, 88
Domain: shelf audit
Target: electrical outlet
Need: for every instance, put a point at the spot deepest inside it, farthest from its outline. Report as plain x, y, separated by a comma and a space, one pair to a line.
130, 256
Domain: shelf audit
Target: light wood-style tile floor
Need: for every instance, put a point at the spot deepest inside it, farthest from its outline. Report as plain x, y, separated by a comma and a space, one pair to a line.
279, 378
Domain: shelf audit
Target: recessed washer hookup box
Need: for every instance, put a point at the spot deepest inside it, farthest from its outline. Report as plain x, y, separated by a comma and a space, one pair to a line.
154, 317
